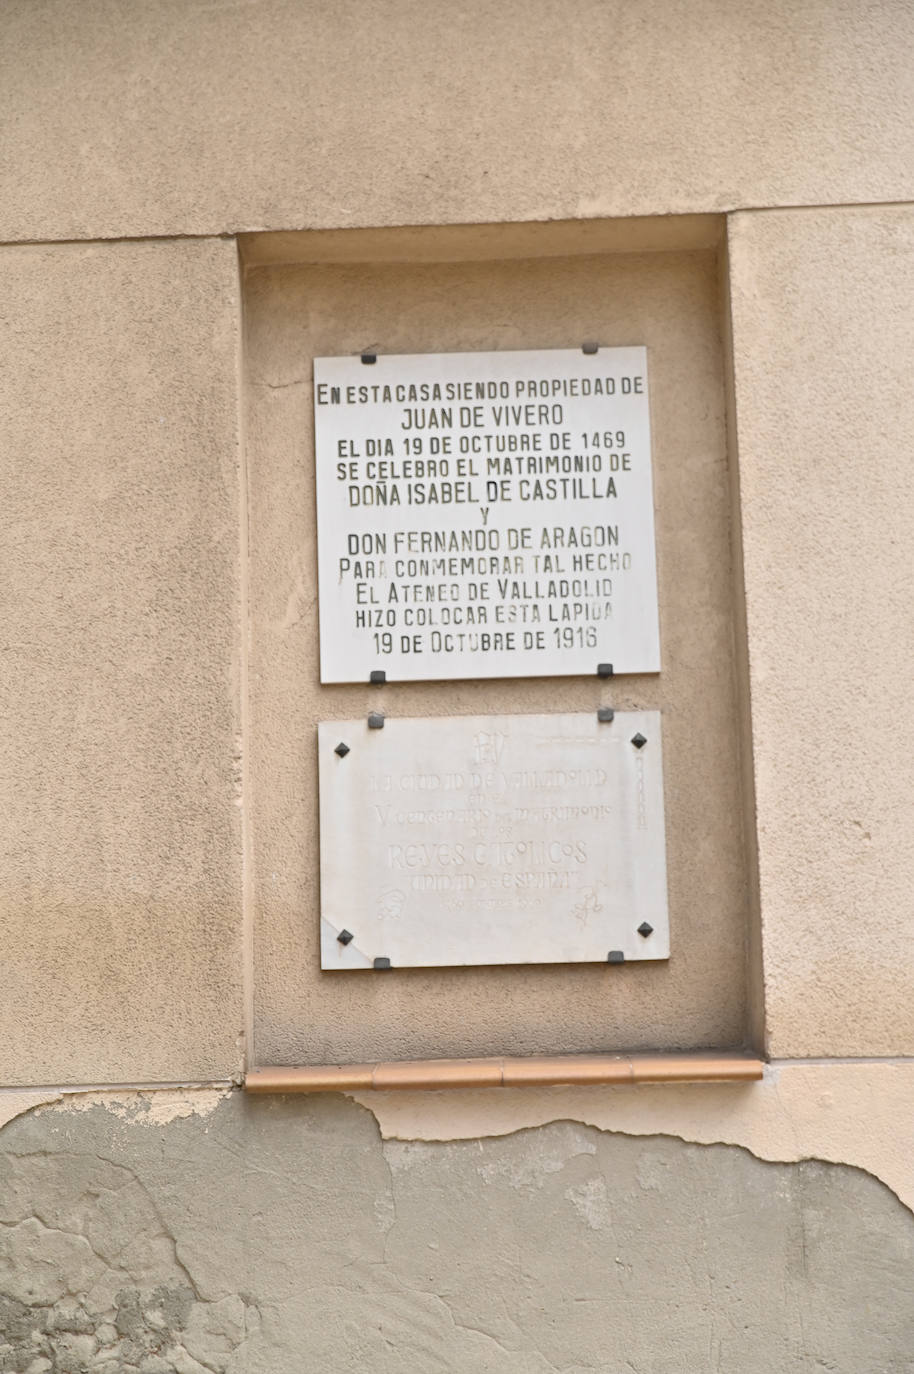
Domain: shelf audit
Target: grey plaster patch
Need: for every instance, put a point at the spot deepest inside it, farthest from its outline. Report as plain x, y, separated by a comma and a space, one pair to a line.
282, 1234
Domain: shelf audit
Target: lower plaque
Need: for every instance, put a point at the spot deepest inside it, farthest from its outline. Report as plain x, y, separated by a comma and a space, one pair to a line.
492, 840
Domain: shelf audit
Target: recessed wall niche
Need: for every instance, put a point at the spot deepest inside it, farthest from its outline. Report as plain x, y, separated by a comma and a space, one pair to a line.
490, 289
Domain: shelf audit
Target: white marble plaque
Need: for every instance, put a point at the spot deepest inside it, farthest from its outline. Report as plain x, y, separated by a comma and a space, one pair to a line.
485, 515
492, 840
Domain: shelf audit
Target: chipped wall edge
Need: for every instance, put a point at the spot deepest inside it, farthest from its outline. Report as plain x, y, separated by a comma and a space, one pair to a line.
147, 1106
854, 1113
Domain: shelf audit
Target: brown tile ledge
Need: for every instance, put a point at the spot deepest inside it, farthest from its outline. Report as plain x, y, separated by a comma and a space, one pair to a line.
543, 1071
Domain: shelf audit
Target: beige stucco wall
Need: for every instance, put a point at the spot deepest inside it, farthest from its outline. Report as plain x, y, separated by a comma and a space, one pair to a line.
158, 685
669, 302
823, 342
188, 116
120, 901
120, 790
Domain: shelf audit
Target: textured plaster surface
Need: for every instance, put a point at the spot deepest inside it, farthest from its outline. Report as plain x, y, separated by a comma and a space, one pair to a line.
119, 914
13, 1103
207, 116
850, 1113
823, 347
667, 302
258, 1234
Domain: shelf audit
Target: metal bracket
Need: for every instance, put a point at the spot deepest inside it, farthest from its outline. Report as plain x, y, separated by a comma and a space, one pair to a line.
377, 675
605, 714
381, 963
590, 348
376, 721
615, 956
368, 358
604, 670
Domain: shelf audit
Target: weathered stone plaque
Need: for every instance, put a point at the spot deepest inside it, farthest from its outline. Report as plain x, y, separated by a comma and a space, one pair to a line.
492, 840
485, 515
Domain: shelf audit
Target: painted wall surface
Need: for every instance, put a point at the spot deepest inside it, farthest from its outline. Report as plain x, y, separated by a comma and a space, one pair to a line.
121, 900
669, 303
823, 345
206, 116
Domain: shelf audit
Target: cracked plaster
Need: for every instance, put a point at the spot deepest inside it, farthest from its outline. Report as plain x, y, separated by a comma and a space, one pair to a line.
860, 1114
91, 1277
234, 1239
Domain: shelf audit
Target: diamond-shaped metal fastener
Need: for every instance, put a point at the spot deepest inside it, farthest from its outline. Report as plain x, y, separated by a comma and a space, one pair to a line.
381, 963
377, 675
341, 749
605, 714
638, 740
645, 929
615, 956
345, 937
604, 670
376, 721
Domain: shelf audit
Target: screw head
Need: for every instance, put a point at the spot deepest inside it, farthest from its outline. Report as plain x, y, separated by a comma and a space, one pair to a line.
341, 749
645, 929
639, 740
345, 936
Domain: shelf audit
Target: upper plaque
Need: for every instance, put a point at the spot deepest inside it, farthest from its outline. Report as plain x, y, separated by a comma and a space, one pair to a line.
485, 515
